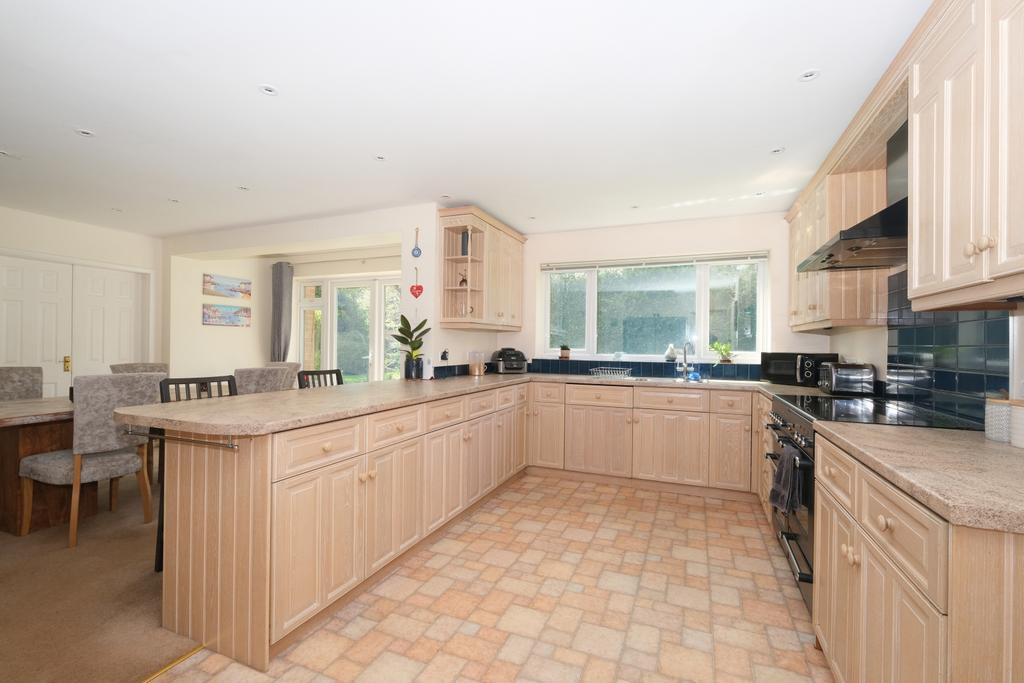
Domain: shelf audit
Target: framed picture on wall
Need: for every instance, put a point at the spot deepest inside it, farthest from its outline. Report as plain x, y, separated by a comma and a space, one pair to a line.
223, 285
227, 316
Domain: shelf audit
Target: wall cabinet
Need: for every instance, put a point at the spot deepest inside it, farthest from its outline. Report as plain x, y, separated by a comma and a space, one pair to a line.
966, 159
671, 446
394, 511
729, 461
599, 439
545, 435
481, 272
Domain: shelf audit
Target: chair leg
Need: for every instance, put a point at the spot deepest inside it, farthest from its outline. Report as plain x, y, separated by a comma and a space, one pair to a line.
76, 490
147, 500
149, 459
113, 493
26, 506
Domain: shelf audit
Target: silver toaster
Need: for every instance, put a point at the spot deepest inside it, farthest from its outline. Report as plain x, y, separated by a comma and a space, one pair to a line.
846, 378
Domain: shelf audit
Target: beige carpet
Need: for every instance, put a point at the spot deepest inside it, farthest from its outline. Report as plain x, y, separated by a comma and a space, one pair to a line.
87, 614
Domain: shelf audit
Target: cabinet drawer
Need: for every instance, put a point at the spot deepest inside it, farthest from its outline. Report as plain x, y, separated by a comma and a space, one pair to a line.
598, 395
301, 450
444, 413
672, 399
521, 392
914, 537
393, 426
731, 402
549, 392
837, 472
506, 397
482, 403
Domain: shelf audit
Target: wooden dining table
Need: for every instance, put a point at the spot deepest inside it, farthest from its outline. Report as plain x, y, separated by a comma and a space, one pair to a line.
35, 426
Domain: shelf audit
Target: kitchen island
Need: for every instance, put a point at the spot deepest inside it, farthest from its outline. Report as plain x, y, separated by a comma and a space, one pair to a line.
280, 504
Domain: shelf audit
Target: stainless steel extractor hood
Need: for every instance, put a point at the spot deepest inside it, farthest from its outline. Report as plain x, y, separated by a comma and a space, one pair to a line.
881, 240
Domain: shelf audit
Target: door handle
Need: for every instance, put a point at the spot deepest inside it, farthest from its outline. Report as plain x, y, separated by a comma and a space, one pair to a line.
67, 363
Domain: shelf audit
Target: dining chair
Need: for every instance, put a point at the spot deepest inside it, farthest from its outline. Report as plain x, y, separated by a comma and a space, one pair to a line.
320, 378
101, 450
293, 368
118, 368
20, 382
260, 380
173, 389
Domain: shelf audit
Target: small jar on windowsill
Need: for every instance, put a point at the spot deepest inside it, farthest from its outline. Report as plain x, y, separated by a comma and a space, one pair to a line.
563, 352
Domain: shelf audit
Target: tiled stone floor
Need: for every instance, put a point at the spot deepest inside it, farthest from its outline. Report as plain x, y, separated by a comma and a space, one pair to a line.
556, 580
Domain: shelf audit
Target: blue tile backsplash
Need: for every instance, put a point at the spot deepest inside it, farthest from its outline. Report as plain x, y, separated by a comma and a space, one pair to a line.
948, 360
736, 371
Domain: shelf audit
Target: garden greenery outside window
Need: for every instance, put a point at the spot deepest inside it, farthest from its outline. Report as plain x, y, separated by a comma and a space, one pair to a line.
637, 309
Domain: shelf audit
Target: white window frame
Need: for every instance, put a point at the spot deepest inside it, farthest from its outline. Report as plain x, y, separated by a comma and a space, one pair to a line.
703, 353
329, 324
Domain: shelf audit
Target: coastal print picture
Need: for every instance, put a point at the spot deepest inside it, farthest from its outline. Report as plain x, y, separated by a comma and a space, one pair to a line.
227, 316
231, 287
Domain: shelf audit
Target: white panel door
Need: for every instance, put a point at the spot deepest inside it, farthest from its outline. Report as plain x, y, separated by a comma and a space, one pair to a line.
35, 318
110, 319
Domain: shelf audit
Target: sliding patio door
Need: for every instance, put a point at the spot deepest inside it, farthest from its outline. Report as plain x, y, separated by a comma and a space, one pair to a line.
347, 324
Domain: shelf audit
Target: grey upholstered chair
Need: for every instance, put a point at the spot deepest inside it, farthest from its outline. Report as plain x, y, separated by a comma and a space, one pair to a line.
18, 383
100, 448
120, 368
292, 367
259, 380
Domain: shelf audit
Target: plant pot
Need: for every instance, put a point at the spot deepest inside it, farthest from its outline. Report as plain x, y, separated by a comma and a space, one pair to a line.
563, 355
724, 361
414, 368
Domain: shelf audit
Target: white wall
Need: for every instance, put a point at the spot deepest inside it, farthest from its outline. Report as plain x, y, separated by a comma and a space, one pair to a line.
756, 232
862, 345
35, 236
202, 350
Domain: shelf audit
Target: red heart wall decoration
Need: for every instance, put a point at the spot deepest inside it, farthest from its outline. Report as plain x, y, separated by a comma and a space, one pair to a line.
416, 290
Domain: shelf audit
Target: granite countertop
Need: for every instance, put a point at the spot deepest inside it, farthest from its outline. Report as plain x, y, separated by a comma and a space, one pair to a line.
959, 475
35, 411
256, 414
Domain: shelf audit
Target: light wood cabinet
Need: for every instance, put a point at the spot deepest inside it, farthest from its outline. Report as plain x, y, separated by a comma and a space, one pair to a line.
394, 509
519, 455
504, 444
482, 271
836, 588
478, 457
763, 442
545, 435
966, 159
317, 537
671, 446
729, 465
443, 486
599, 439
305, 449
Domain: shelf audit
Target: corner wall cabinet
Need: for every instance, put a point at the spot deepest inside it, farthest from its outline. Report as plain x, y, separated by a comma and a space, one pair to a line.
481, 271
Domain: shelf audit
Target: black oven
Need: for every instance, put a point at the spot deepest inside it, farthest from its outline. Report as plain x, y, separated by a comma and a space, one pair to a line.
794, 368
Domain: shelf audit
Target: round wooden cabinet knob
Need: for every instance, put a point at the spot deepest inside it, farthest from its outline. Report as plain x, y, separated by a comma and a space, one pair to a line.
372, 474
669, 399
448, 413
970, 249
746, 429
399, 428
730, 403
844, 550
597, 395
536, 412
326, 448
851, 558
362, 477
885, 523
986, 242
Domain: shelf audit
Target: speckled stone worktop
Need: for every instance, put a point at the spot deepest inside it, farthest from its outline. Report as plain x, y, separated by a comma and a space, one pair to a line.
959, 475
278, 411
34, 411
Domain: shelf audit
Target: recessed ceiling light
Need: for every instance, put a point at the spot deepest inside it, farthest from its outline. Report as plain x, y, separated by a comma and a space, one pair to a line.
635, 206
85, 132
380, 157
808, 75
759, 194
533, 218
117, 210
267, 89
7, 155
778, 150
174, 201
243, 188
446, 196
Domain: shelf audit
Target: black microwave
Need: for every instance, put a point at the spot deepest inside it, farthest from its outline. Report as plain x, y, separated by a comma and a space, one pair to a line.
794, 368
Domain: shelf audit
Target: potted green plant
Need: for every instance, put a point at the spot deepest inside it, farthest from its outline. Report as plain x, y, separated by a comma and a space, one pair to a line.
412, 338
563, 352
724, 351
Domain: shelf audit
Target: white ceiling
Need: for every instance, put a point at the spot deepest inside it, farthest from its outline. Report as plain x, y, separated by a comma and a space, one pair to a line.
570, 112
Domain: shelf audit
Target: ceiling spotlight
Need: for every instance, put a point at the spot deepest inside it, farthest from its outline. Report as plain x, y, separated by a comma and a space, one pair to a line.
117, 210
778, 150
7, 155
446, 196
174, 201
635, 206
268, 90
808, 75
243, 188
760, 193
380, 157
85, 132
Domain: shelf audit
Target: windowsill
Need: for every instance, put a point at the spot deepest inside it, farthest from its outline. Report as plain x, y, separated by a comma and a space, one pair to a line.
740, 358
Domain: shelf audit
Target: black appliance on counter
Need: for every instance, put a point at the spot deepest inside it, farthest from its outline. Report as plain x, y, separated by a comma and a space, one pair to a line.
792, 420
794, 368
508, 360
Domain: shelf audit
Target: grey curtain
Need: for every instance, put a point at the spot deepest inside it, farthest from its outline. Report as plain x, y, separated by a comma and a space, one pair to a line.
281, 315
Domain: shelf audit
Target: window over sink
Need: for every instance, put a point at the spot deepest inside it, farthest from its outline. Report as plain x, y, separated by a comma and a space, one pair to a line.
636, 309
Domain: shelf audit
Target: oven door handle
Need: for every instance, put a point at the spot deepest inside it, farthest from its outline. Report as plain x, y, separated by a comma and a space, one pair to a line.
786, 538
774, 457
799, 464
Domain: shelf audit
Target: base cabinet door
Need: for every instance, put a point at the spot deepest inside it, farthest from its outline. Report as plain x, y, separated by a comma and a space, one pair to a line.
478, 457
485, 454
729, 466
519, 453
343, 528
504, 444
298, 552
671, 446
443, 488
599, 440
546, 435
393, 502
836, 586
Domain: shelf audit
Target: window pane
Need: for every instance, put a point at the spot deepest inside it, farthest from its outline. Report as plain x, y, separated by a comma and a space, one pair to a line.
568, 310
392, 351
643, 310
312, 338
353, 340
733, 303
312, 291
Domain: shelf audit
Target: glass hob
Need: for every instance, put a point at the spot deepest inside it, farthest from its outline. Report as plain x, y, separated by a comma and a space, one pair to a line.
870, 410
